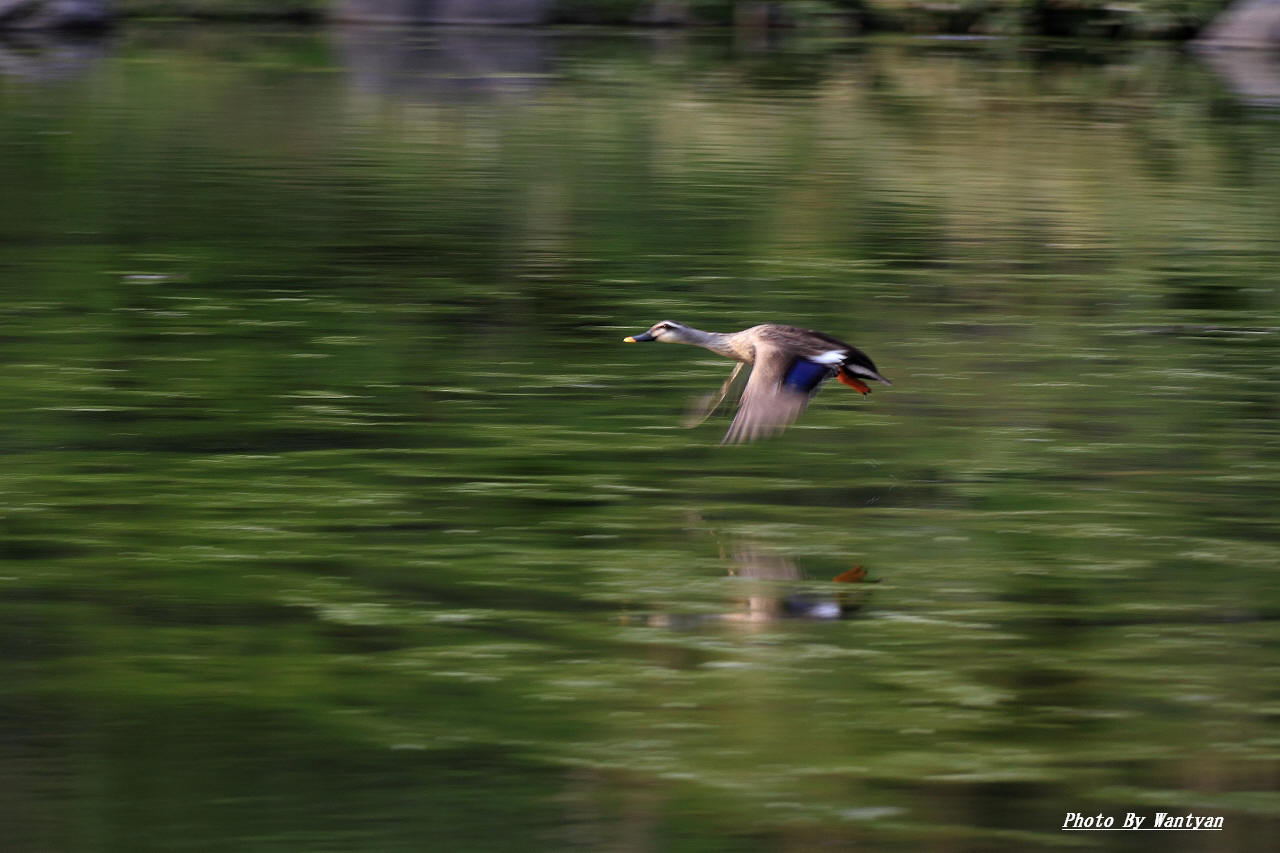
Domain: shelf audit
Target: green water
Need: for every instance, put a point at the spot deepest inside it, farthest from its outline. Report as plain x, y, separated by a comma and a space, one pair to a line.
336, 517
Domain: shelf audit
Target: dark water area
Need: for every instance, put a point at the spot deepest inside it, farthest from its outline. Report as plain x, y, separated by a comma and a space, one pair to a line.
336, 516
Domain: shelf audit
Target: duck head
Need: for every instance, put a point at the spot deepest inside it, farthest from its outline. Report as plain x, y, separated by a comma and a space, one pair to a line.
666, 331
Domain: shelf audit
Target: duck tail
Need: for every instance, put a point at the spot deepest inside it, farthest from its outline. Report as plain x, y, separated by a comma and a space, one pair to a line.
856, 369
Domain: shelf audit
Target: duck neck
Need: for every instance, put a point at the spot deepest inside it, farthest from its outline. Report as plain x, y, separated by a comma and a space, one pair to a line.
717, 342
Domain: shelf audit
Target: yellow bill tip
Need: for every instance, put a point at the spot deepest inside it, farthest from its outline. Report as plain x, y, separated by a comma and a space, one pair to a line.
628, 340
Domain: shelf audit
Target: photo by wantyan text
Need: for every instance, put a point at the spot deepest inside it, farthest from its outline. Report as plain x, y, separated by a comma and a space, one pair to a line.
1131, 820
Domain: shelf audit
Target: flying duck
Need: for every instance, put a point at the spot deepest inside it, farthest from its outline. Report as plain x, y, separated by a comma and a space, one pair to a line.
788, 366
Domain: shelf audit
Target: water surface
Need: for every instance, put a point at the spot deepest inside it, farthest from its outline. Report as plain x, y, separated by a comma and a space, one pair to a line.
337, 517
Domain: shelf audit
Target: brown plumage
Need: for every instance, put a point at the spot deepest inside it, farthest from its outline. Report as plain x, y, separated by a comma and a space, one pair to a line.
788, 365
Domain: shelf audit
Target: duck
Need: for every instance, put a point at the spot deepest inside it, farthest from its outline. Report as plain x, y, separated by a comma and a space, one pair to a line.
788, 366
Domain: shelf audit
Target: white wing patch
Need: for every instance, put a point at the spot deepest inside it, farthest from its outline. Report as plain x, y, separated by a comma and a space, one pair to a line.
834, 356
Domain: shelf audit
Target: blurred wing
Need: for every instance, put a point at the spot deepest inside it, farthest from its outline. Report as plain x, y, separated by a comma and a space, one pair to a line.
706, 404
767, 405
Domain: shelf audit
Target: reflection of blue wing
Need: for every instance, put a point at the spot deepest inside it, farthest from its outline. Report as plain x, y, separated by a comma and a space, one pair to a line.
805, 375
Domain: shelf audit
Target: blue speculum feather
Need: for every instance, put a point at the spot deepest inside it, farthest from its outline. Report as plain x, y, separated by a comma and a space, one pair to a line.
805, 375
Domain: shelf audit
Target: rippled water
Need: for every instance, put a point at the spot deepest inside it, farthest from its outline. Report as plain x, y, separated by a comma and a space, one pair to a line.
337, 517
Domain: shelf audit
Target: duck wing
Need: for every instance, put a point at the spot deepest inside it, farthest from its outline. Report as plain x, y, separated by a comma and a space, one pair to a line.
702, 407
825, 349
777, 392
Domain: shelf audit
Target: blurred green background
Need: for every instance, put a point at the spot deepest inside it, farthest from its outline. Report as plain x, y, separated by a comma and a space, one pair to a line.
336, 516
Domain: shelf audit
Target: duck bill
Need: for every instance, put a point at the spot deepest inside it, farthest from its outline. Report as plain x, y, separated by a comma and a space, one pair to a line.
637, 339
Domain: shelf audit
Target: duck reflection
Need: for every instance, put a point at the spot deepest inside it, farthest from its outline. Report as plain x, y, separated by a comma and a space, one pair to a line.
841, 597
776, 588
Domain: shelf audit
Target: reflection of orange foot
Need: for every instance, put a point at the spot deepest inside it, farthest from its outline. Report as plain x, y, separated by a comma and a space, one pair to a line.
853, 575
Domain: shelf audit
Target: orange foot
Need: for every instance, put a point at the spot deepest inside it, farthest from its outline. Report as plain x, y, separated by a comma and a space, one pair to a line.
855, 384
